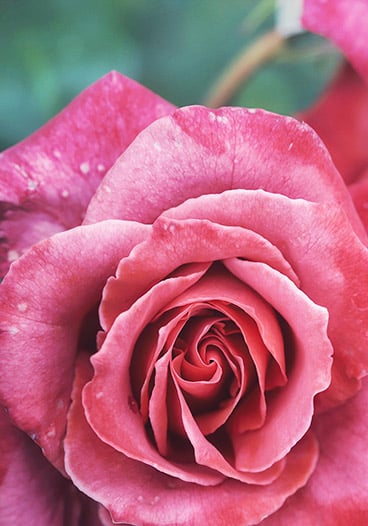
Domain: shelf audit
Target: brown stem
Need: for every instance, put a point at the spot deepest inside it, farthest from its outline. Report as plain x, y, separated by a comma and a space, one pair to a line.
241, 68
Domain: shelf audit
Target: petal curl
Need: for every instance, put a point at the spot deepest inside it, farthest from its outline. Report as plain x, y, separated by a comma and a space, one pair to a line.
345, 22
44, 299
171, 246
136, 493
311, 354
57, 169
198, 151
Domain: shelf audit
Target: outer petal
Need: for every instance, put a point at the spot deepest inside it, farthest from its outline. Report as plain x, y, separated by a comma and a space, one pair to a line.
345, 22
57, 169
340, 118
197, 151
32, 492
337, 493
136, 493
44, 300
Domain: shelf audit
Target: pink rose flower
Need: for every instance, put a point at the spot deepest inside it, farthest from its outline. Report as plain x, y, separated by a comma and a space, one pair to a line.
195, 351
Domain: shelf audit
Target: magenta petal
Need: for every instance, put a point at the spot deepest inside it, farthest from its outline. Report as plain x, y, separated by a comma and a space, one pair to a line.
359, 194
345, 23
198, 151
21, 229
337, 492
32, 492
340, 119
44, 298
135, 493
57, 169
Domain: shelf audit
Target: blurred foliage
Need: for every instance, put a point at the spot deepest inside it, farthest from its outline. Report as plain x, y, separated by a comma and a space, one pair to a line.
51, 50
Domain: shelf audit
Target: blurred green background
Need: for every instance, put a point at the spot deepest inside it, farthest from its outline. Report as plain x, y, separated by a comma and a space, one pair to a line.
51, 50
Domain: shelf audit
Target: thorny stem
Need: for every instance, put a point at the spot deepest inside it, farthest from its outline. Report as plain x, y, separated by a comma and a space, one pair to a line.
241, 68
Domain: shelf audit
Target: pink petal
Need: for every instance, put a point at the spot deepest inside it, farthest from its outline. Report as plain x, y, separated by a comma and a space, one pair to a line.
32, 492
310, 353
56, 170
198, 151
44, 299
171, 247
135, 493
359, 193
340, 119
19, 230
318, 243
337, 492
345, 23
124, 428
209, 455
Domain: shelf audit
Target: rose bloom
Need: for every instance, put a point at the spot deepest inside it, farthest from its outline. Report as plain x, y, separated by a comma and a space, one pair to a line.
194, 351
184, 321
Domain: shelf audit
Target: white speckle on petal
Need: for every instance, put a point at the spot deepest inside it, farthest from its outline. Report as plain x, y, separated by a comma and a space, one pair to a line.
57, 154
101, 167
222, 119
51, 433
32, 185
172, 483
13, 330
107, 189
84, 168
212, 116
169, 227
157, 146
13, 255
290, 146
22, 307
99, 395
252, 110
21, 171
65, 194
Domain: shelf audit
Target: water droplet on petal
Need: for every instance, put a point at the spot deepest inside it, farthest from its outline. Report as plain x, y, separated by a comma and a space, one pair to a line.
13, 255
84, 168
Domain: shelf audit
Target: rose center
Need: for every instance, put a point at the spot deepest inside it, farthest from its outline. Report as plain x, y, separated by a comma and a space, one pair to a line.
202, 365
